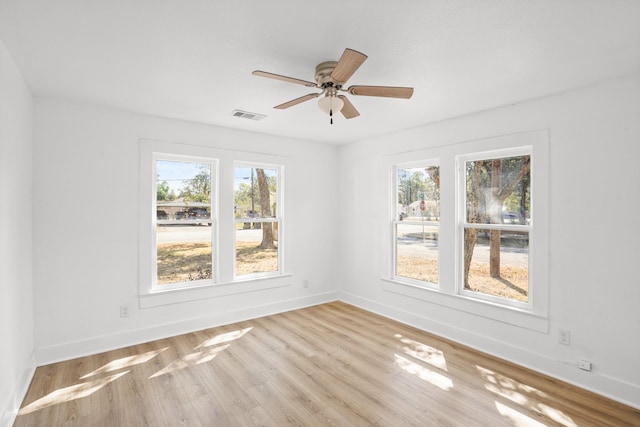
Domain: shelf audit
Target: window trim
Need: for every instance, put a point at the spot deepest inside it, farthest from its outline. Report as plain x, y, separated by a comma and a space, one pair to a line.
226, 284
446, 295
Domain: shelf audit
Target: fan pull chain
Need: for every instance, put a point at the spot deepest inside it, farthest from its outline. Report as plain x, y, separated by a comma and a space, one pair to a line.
331, 116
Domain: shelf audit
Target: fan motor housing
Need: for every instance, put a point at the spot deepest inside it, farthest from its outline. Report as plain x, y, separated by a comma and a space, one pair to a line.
323, 73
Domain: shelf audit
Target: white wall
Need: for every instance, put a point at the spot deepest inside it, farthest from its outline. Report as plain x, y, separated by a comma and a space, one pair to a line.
16, 284
86, 229
594, 197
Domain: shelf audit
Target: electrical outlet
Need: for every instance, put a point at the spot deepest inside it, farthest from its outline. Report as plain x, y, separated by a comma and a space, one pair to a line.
564, 337
124, 311
585, 365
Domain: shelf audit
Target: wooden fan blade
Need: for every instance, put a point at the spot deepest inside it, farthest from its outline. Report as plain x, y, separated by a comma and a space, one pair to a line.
348, 63
348, 110
386, 91
283, 78
297, 101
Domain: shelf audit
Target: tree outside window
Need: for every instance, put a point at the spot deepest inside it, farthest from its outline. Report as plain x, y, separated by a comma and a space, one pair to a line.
256, 206
497, 226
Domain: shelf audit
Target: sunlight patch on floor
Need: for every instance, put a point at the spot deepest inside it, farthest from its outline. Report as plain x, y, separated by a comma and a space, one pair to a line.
556, 415
526, 396
67, 394
420, 351
226, 337
424, 373
125, 362
192, 359
517, 418
507, 387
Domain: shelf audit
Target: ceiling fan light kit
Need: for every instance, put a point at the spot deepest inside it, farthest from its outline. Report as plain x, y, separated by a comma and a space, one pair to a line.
330, 103
330, 78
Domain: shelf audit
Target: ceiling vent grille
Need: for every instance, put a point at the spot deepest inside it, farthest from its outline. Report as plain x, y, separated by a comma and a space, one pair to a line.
247, 115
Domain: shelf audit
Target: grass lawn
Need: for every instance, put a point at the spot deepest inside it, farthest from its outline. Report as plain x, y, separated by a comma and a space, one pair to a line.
513, 283
183, 262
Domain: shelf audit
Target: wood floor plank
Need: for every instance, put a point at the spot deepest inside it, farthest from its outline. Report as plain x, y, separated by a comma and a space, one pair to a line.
326, 365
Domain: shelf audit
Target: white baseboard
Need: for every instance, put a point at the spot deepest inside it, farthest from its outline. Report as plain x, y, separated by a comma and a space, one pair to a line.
613, 388
72, 350
10, 411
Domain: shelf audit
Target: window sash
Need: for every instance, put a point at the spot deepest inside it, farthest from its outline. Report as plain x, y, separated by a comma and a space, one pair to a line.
461, 189
396, 222
155, 222
276, 217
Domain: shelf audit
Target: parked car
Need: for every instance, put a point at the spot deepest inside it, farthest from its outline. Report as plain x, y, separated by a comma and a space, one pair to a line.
181, 215
199, 213
160, 214
510, 218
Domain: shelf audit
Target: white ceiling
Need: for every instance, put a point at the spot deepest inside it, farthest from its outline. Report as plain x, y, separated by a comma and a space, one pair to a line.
192, 59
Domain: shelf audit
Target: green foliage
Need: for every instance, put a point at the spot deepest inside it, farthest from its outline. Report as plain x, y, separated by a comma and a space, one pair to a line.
242, 195
164, 192
198, 189
414, 183
247, 195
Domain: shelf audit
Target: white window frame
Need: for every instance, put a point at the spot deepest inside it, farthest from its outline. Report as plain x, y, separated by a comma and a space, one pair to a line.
225, 282
213, 208
395, 222
277, 218
461, 193
534, 315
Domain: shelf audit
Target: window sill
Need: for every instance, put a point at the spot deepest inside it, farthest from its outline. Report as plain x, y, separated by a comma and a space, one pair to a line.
501, 313
193, 293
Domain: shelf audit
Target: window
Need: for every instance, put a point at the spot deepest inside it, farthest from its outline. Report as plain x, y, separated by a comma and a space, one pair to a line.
257, 220
480, 243
210, 222
416, 223
496, 225
184, 222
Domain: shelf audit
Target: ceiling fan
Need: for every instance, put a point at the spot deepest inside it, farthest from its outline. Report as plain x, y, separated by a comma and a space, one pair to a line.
331, 77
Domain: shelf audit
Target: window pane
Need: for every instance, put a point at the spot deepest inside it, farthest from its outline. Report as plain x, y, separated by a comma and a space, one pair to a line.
255, 199
183, 220
257, 249
497, 263
419, 193
417, 251
183, 253
255, 192
419, 210
498, 190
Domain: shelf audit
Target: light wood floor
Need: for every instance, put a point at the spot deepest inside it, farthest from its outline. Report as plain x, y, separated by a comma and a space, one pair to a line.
328, 365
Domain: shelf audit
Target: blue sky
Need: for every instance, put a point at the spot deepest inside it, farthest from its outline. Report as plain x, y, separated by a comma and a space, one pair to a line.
177, 172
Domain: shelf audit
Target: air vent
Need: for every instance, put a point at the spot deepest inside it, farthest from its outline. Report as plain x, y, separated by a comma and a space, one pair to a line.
247, 115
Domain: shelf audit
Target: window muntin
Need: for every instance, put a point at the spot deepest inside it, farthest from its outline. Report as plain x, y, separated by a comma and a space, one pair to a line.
257, 192
416, 224
496, 227
184, 221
